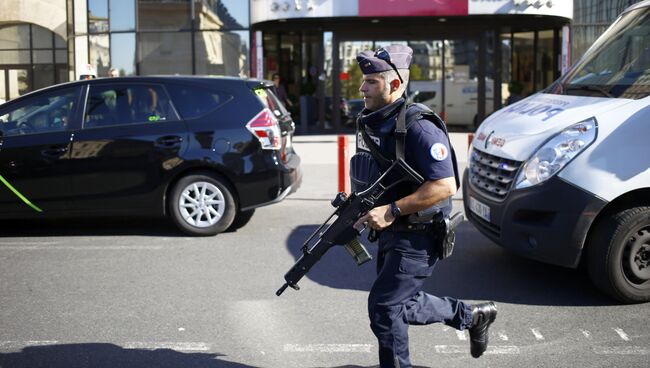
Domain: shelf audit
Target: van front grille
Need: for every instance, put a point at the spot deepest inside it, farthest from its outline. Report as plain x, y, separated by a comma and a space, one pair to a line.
492, 175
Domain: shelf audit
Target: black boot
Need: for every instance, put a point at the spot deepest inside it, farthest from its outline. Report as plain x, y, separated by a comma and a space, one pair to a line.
482, 317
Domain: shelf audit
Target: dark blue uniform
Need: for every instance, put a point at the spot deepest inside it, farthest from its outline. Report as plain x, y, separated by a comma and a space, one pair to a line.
405, 258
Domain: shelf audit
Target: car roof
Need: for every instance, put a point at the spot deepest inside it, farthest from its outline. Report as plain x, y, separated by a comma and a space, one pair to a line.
200, 79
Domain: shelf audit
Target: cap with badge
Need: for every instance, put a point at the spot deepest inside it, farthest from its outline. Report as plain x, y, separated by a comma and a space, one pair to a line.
391, 57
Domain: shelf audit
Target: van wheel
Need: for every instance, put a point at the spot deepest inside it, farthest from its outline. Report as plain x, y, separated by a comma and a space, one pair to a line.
201, 204
241, 219
619, 255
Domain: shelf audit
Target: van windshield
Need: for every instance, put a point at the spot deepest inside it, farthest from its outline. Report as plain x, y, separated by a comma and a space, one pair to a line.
618, 63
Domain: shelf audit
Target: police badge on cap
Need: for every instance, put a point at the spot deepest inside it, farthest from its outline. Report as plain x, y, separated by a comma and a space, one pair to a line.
391, 57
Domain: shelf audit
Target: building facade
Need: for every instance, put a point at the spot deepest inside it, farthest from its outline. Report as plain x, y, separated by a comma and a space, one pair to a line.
470, 56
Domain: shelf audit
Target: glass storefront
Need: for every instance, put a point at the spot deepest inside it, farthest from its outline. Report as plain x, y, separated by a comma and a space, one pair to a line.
145, 37
463, 79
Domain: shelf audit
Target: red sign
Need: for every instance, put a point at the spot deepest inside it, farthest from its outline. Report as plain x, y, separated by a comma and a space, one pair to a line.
412, 8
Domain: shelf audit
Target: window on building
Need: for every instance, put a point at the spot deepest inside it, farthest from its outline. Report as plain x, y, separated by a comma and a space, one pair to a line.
31, 57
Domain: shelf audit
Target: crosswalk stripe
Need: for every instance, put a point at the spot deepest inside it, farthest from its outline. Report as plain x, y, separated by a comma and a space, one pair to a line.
458, 349
621, 350
80, 247
538, 335
178, 346
622, 334
328, 348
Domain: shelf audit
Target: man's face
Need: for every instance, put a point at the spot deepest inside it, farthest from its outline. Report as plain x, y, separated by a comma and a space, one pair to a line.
375, 91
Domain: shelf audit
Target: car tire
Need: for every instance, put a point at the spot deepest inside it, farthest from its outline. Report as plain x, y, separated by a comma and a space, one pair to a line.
201, 204
241, 219
619, 255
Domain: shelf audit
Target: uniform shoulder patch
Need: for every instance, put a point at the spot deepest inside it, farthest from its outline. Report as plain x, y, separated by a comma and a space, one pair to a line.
439, 151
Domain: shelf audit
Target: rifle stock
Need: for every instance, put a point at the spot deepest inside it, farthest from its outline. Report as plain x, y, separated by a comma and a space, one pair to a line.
340, 232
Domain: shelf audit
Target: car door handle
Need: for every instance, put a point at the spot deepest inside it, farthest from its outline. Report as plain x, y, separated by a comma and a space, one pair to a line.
55, 151
169, 141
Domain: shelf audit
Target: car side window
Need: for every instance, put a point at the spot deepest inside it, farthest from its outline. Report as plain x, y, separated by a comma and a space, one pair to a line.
127, 104
192, 102
52, 112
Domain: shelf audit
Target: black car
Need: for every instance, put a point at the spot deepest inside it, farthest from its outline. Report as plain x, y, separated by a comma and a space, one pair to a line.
203, 151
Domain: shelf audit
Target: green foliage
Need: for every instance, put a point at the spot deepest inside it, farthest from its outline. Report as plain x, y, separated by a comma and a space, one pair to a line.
416, 73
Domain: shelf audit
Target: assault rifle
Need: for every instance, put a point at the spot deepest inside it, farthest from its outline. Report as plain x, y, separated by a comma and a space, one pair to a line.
340, 232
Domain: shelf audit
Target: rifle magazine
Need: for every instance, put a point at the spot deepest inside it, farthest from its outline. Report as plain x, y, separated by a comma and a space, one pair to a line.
358, 252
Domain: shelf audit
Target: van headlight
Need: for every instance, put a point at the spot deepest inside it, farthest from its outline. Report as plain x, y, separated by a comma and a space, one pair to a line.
556, 153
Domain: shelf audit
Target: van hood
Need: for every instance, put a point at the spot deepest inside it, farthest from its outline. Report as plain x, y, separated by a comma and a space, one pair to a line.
516, 131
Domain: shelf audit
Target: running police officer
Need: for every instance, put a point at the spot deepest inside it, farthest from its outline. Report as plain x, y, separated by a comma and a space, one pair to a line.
406, 254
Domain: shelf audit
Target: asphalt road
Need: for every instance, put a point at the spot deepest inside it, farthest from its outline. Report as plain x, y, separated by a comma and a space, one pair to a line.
137, 293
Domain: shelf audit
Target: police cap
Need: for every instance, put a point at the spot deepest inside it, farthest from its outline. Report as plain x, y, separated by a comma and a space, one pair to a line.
391, 57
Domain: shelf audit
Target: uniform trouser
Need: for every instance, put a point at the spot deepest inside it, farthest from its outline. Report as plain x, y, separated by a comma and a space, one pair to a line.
396, 299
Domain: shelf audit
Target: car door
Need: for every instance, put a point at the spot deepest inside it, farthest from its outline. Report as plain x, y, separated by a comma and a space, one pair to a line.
130, 140
35, 139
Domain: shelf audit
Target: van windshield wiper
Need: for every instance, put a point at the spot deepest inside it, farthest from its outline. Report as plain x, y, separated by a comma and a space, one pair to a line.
590, 88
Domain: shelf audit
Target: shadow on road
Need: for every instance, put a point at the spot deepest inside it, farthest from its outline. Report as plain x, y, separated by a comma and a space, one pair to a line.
336, 269
105, 226
100, 355
478, 270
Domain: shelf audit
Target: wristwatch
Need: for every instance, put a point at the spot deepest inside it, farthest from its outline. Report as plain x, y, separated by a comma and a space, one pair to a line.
394, 210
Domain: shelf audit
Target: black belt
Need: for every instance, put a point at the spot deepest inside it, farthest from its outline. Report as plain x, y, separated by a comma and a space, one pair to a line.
421, 227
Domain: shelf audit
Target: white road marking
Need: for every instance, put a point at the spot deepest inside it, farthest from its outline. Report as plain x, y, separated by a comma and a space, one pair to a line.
458, 349
586, 333
9, 244
622, 334
20, 344
621, 350
80, 247
461, 335
538, 335
178, 346
328, 348
502, 335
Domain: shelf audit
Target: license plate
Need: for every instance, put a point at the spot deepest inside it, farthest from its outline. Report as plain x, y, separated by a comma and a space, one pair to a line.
480, 209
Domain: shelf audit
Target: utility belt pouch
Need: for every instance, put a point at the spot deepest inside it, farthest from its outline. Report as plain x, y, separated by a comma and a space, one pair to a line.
446, 235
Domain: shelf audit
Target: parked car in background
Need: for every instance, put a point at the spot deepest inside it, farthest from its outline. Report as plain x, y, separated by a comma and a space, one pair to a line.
344, 111
203, 151
356, 106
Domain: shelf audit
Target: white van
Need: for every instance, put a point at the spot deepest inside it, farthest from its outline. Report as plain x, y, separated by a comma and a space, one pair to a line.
563, 176
461, 99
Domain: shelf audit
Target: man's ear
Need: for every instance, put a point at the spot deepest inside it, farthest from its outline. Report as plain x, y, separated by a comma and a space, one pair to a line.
394, 85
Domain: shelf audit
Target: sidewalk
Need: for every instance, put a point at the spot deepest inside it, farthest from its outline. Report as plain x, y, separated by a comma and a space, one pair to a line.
319, 155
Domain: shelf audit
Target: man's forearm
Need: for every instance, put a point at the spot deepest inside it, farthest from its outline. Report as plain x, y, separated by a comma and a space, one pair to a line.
428, 194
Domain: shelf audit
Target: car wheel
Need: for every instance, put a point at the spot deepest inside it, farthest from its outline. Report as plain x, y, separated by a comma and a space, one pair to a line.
202, 205
241, 219
619, 255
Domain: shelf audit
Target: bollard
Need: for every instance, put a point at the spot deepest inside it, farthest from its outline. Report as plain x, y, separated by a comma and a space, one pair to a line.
344, 164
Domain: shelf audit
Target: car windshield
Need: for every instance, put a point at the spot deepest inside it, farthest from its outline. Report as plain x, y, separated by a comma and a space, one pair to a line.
618, 63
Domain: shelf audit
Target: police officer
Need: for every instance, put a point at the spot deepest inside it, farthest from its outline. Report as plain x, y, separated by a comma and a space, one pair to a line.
406, 254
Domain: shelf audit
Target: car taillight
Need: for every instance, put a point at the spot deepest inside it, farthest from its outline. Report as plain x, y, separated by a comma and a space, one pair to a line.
267, 129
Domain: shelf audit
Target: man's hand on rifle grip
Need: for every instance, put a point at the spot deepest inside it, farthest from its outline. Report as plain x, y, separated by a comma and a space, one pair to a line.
377, 218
